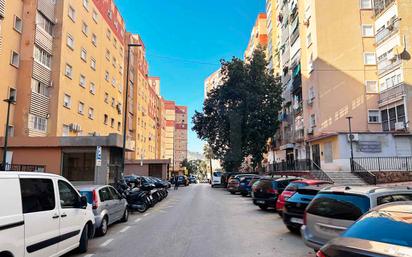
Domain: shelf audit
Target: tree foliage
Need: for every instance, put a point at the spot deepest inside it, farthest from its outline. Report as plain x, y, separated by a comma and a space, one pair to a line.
240, 115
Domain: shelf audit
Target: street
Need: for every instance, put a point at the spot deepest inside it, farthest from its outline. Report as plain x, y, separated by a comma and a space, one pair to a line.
198, 221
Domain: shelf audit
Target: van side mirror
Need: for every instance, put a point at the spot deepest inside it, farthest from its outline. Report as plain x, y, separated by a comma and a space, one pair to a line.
83, 202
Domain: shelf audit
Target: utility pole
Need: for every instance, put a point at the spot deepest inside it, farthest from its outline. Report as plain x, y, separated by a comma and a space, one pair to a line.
9, 102
129, 46
351, 143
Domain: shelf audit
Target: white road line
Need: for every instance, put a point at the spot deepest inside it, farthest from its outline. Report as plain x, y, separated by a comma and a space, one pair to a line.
124, 229
137, 220
106, 243
146, 214
89, 255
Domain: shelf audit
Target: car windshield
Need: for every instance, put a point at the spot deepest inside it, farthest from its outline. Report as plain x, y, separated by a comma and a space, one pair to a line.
293, 186
385, 227
264, 184
217, 174
339, 206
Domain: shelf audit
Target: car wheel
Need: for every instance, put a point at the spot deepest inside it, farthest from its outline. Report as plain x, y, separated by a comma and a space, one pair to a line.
293, 229
84, 240
243, 194
103, 227
142, 208
213, 186
125, 216
263, 207
280, 214
232, 193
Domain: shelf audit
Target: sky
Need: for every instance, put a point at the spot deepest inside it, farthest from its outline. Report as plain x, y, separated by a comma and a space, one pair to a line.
185, 41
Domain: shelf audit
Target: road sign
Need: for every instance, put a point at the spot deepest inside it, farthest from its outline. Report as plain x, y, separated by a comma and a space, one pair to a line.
98, 156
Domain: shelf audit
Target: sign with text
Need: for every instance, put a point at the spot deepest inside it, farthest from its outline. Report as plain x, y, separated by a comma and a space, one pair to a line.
98, 156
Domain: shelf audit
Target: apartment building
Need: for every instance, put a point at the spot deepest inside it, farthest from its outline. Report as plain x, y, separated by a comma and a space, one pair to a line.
342, 59
273, 37
258, 36
213, 81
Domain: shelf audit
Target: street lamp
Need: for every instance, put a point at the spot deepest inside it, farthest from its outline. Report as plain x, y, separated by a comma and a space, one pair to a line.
129, 46
351, 143
9, 102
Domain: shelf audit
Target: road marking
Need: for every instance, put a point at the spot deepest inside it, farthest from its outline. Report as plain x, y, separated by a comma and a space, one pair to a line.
124, 229
137, 220
106, 243
89, 255
146, 214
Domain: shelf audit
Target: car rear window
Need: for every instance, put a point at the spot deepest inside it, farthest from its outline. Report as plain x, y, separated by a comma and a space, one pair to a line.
394, 198
339, 206
376, 227
264, 184
293, 186
89, 196
217, 174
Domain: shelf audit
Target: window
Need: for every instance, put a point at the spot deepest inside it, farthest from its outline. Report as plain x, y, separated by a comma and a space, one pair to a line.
373, 116
107, 76
42, 57
37, 195
113, 102
91, 113
83, 54
310, 63
92, 88
86, 4
38, 123
106, 97
312, 120
115, 43
67, 101
119, 125
104, 194
15, 59
68, 71
367, 31
94, 39
85, 29
81, 108
390, 117
69, 198
309, 39
44, 23
110, 14
18, 24
38, 87
70, 41
66, 131
108, 34
12, 94
365, 4
93, 64
114, 82
95, 16
82, 81
369, 58
371, 87
72, 13
108, 55
112, 123
106, 118
114, 62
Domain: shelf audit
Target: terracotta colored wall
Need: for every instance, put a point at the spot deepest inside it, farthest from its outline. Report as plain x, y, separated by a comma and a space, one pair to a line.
49, 157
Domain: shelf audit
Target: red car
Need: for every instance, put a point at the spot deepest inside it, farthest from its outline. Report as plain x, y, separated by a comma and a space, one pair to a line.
292, 188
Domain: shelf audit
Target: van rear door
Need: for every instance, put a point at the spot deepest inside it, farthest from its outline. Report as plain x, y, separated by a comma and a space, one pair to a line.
41, 216
11, 216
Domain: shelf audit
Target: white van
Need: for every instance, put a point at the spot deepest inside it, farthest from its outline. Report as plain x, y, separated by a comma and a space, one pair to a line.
42, 215
216, 178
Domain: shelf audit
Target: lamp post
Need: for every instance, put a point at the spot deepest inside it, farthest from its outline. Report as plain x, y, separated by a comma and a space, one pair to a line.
351, 142
129, 46
9, 102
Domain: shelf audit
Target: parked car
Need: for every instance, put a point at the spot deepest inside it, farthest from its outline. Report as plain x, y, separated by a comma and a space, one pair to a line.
192, 180
235, 181
294, 207
108, 206
42, 215
335, 208
216, 178
384, 231
293, 187
245, 187
226, 176
267, 190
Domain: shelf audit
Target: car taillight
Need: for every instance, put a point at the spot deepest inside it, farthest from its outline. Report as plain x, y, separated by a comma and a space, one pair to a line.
304, 218
95, 202
272, 191
320, 254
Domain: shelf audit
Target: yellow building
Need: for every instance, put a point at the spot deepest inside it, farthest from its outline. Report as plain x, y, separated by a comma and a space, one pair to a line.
273, 37
258, 36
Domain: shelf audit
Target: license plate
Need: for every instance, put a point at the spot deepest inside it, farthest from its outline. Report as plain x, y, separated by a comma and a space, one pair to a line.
263, 202
296, 220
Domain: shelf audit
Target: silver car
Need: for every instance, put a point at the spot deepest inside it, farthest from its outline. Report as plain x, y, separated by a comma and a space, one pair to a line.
108, 206
336, 208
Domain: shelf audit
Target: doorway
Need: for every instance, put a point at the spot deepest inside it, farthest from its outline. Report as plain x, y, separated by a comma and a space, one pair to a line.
316, 154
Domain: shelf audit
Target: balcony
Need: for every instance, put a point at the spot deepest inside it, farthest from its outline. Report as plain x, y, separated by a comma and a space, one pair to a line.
387, 32
297, 82
388, 65
392, 94
300, 135
294, 36
379, 6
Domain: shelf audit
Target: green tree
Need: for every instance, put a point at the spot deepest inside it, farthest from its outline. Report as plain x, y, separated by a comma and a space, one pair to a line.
239, 116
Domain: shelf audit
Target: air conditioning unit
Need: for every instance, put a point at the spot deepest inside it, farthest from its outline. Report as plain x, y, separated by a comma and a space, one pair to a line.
400, 126
309, 131
355, 137
306, 22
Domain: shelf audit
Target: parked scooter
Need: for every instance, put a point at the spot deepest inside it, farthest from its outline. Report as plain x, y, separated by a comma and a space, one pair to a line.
136, 199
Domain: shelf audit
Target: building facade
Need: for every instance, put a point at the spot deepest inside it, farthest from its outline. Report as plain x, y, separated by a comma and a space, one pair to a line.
212, 82
258, 36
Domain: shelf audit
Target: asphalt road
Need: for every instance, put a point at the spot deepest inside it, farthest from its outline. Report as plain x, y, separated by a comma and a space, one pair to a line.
200, 221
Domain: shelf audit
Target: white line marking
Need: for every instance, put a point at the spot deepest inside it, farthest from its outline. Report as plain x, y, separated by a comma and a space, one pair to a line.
88, 255
124, 229
146, 214
137, 220
106, 243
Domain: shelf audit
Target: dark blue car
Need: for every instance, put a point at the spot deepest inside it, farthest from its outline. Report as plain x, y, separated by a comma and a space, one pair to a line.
245, 186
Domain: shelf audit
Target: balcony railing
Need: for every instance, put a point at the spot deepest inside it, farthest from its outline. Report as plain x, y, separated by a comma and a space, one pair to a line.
300, 135
297, 82
387, 32
391, 94
387, 65
23, 167
380, 5
385, 163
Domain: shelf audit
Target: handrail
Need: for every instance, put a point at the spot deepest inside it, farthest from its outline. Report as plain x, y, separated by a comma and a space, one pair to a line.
318, 173
363, 173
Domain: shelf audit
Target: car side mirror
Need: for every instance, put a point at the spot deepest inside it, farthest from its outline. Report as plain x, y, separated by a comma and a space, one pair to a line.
83, 202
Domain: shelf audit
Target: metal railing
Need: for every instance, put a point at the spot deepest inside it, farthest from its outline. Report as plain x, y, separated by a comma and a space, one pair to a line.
302, 165
363, 174
387, 65
385, 163
391, 93
23, 167
318, 173
387, 32
380, 5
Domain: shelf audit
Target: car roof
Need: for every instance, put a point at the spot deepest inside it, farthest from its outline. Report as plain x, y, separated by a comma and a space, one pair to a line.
401, 206
89, 187
364, 190
312, 181
16, 174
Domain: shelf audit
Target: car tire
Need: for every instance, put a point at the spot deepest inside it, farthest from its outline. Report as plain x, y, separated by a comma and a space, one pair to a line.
263, 207
280, 214
102, 230
232, 193
213, 186
84, 240
293, 230
243, 194
125, 217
